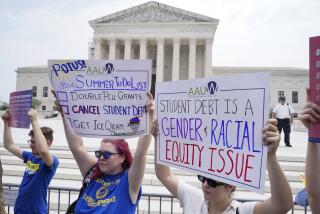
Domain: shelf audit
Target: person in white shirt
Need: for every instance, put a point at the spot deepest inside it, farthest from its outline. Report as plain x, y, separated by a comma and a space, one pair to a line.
283, 112
216, 197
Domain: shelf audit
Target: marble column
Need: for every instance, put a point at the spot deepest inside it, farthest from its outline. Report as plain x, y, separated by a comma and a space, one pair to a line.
192, 58
160, 60
176, 59
143, 49
112, 49
208, 58
127, 49
97, 48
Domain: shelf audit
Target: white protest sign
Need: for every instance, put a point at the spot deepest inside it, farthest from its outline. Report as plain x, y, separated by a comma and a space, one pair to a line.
213, 127
103, 98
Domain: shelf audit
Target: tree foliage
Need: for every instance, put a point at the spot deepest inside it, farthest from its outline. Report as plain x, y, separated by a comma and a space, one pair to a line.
4, 106
36, 103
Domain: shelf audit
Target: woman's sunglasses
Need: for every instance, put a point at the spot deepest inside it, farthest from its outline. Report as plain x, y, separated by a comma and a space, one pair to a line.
212, 183
106, 154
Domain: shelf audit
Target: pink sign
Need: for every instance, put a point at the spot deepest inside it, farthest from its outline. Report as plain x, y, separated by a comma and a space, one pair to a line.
314, 79
19, 105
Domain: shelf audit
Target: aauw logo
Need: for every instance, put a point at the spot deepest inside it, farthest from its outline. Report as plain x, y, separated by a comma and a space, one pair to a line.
210, 89
213, 87
109, 68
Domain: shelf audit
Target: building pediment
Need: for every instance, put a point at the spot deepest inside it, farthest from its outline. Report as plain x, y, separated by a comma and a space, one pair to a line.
152, 12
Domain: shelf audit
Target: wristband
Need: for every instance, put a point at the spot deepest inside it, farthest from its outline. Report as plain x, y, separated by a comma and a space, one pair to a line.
314, 140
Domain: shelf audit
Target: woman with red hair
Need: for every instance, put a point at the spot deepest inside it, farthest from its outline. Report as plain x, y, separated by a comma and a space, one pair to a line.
115, 179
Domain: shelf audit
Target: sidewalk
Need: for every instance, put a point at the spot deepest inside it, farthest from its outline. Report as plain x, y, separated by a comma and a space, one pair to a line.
298, 141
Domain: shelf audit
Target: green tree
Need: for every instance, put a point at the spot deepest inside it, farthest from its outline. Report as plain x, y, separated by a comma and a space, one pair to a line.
4, 106
36, 103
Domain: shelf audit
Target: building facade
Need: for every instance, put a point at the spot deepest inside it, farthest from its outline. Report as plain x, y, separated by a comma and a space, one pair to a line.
178, 42
288, 82
37, 79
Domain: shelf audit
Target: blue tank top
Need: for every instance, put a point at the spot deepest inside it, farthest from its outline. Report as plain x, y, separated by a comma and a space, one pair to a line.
107, 194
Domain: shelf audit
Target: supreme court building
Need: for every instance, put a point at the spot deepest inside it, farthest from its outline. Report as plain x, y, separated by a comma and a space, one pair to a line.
178, 42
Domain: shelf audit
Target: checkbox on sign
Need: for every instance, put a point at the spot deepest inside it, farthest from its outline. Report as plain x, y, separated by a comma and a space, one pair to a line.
65, 109
62, 96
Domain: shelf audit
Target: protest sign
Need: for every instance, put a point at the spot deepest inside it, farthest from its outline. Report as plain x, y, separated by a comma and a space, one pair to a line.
213, 127
103, 98
19, 104
314, 88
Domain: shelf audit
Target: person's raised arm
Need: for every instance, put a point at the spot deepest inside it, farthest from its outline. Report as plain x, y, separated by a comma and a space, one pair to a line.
163, 172
281, 195
40, 141
136, 171
84, 160
7, 137
311, 114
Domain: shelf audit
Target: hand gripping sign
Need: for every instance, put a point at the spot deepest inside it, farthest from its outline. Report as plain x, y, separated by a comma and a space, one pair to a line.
314, 80
103, 98
213, 127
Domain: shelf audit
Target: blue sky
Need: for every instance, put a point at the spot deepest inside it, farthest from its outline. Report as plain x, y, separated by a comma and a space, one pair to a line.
250, 32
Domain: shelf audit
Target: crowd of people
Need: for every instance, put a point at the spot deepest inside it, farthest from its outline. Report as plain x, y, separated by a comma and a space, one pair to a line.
113, 178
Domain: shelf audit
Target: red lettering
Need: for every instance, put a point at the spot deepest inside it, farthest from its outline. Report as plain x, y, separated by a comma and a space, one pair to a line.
211, 159
85, 109
246, 168
187, 158
167, 149
237, 162
200, 158
74, 109
176, 158
224, 163
179, 152
231, 160
193, 153
231, 163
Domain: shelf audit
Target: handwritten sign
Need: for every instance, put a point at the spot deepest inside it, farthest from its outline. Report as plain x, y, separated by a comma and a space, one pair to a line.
19, 104
314, 79
212, 127
103, 98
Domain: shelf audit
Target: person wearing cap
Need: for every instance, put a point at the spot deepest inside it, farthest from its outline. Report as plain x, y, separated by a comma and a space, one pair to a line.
41, 165
216, 197
283, 112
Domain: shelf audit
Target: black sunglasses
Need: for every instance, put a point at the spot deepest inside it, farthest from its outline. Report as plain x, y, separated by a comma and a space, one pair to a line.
212, 183
31, 142
105, 154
